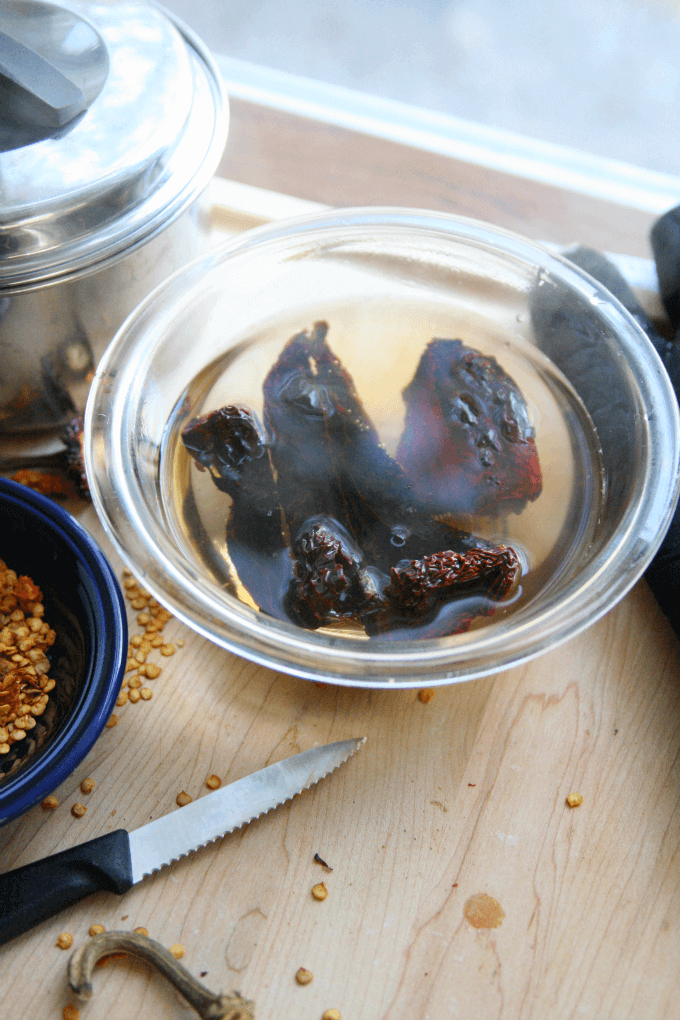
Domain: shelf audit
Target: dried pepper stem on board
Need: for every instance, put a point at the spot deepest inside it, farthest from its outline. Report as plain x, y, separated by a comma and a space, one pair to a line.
209, 1005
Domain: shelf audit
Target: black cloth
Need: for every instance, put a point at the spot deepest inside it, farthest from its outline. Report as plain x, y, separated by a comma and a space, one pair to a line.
664, 571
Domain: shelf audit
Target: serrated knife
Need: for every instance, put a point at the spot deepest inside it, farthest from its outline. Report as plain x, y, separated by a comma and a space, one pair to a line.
117, 861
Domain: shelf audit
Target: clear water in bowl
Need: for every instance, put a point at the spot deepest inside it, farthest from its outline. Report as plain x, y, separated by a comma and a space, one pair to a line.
380, 345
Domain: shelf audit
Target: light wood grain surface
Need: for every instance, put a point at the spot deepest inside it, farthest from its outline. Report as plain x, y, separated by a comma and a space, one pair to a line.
454, 798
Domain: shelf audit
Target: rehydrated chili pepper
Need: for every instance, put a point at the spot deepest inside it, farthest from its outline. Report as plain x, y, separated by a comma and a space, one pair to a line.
468, 445
228, 443
225, 442
330, 461
331, 581
415, 588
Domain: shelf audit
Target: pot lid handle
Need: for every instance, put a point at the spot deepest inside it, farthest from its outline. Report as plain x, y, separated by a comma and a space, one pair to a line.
34, 91
53, 64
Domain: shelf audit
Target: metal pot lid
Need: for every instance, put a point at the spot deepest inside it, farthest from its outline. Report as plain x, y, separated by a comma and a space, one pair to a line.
112, 121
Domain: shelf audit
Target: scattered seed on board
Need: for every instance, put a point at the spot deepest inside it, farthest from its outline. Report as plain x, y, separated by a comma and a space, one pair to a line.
575, 799
213, 782
87, 785
71, 1013
303, 976
319, 891
111, 721
78, 810
65, 940
141, 931
50, 803
146, 694
151, 671
134, 683
427, 694
183, 798
177, 950
331, 1014
134, 696
121, 699
97, 929
167, 649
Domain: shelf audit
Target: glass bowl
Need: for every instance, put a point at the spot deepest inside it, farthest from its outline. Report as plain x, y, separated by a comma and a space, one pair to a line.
387, 281
84, 606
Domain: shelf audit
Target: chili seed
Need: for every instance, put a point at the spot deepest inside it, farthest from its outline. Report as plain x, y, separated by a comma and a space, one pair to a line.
65, 940
575, 799
303, 976
87, 785
49, 803
183, 798
427, 694
141, 931
213, 782
78, 810
97, 929
177, 950
319, 891
111, 721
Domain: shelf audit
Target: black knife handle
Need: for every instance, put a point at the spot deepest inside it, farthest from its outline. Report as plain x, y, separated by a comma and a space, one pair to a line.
37, 891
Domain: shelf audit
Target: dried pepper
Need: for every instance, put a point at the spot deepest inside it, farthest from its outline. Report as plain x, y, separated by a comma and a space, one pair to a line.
468, 445
325, 526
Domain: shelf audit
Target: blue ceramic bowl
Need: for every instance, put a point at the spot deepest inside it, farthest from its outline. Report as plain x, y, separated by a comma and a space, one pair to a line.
84, 605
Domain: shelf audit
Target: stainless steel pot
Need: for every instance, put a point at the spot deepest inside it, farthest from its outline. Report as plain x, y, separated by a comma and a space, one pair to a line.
112, 121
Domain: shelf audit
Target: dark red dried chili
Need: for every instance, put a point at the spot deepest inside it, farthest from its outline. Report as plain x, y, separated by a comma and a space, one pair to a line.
468, 444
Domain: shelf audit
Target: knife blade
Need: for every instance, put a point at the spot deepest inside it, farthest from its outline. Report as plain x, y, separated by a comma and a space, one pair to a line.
117, 861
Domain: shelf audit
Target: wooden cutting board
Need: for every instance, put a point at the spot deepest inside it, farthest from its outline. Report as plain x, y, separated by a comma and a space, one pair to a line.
463, 886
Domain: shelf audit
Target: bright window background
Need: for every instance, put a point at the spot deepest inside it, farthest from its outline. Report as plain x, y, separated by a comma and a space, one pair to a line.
602, 76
